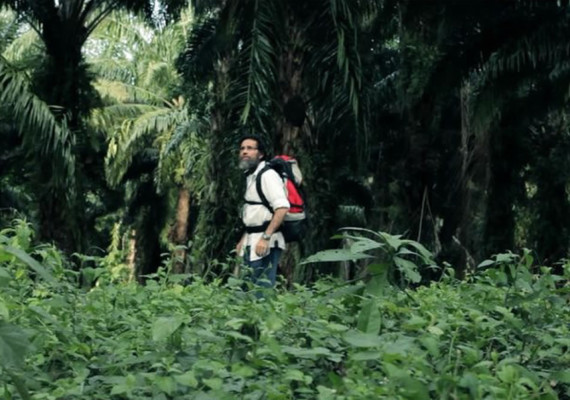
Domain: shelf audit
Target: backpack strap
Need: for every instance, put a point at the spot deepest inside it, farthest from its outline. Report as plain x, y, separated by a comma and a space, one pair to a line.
260, 193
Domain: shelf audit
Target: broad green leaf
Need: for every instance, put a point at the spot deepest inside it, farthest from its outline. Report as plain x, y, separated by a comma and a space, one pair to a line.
415, 322
359, 339
378, 268
187, 379
363, 245
377, 285
237, 335
163, 327
4, 312
562, 376
13, 344
335, 256
393, 241
369, 318
508, 374
431, 344
214, 383
471, 383
236, 323
5, 277
326, 393
485, 263
311, 353
506, 258
366, 356
409, 269
30, 262
424, 253
294, 375
435, 330
243, 371
166, 384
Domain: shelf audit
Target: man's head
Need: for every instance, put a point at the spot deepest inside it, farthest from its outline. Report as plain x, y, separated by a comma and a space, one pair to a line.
251, 152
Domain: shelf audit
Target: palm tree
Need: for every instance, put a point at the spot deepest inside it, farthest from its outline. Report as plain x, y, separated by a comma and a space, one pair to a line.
289, 70
63, 80
451, 55
152, 139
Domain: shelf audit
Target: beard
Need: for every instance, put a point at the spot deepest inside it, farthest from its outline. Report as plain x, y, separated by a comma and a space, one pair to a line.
247, 165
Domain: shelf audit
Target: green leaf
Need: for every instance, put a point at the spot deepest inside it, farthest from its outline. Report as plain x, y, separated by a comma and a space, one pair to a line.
123, 384
364, 244
562, 376
366, 356
5, 277
4, 312
33, 264
424, 253
312, 353
294, 375
213, 383
187, 379
393, 241
236, 323
359, 339
470, 382
163, 327
485, 263
166, 384
237, 335
508, 374
409, 269
369, 318
435, 330
13, 344
335, 256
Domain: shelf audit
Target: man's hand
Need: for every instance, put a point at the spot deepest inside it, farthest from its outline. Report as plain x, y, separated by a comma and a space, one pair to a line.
262, 248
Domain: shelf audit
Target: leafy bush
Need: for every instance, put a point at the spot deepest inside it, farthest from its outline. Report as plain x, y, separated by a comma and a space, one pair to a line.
503, 333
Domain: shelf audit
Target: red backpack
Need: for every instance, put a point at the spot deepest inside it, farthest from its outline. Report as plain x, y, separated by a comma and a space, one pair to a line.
295, 222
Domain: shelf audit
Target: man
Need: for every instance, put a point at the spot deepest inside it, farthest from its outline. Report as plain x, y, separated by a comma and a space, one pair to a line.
261, 244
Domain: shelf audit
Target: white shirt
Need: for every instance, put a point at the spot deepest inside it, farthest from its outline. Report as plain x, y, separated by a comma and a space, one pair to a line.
273, 188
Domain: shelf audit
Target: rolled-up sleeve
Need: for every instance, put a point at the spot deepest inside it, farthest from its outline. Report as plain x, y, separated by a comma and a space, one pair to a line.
274, 190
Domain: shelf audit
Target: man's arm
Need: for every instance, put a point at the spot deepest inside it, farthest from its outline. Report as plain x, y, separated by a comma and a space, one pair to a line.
262, 246
277, 220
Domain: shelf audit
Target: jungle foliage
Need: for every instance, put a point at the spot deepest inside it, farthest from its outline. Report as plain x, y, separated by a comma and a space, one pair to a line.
439, 125
503, 332
442, 121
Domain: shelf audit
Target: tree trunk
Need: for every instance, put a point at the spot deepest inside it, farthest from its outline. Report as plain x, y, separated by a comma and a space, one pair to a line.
132, 253
504, 185
63, 82
180, 230
290, 124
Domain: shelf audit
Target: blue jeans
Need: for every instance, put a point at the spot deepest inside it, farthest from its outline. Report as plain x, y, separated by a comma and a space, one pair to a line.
263, 271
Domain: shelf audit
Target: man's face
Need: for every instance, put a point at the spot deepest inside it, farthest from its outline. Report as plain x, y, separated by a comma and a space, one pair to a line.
249, 155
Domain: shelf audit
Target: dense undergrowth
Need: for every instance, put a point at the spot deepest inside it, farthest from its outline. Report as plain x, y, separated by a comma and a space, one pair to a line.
503, 333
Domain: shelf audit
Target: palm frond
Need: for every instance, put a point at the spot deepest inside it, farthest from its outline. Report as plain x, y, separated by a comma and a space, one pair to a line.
25, 47
136, 134
345, 17
159, 75
42, 132
261, 71
545, 44
120, 92
181, 133
200, 52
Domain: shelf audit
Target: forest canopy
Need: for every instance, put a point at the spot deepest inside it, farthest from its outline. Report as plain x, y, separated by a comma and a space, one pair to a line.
444, 121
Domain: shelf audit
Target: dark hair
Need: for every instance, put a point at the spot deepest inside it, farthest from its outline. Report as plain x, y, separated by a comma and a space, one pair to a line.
260, 143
